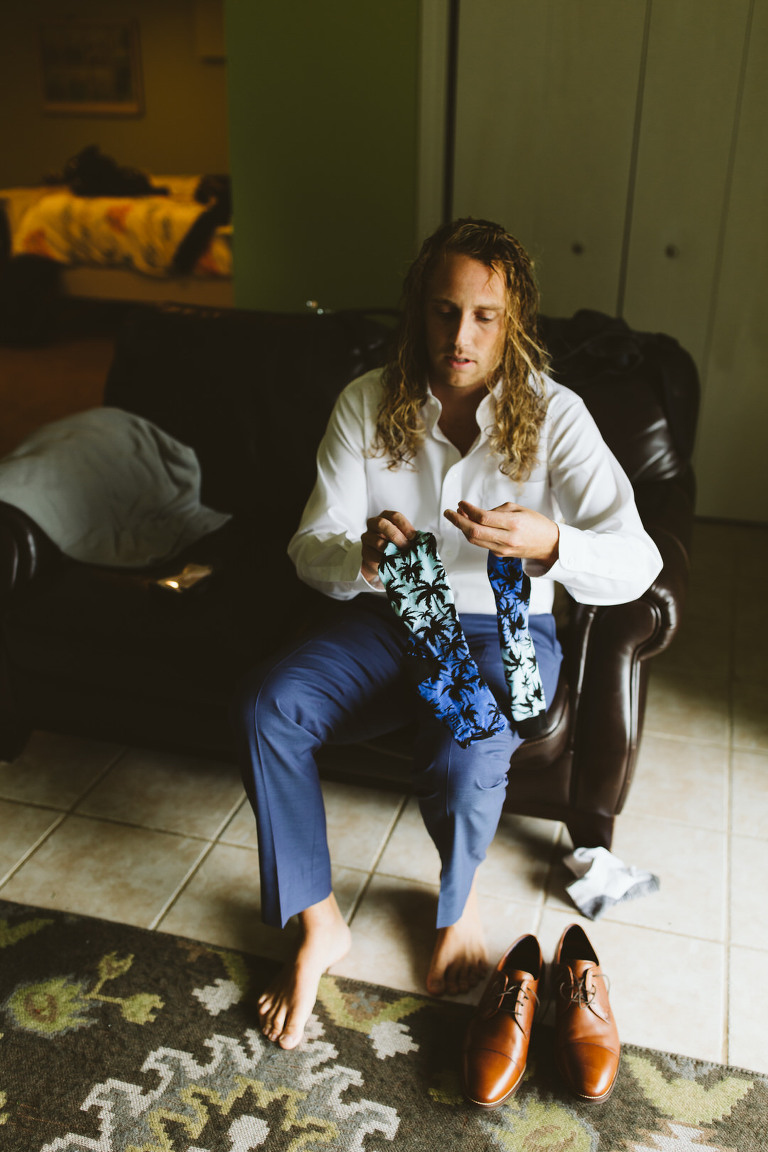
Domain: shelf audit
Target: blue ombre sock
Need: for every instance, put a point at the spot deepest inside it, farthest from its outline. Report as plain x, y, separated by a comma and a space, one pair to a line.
512, 591
438, 655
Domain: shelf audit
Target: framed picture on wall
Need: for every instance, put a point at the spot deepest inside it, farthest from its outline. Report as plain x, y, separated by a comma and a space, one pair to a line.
91, 68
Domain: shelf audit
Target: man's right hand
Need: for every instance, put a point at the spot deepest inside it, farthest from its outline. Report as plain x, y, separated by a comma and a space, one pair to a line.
381, 529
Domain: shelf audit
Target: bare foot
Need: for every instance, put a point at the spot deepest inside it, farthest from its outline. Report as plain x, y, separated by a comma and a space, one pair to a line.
285, 1006
460, 960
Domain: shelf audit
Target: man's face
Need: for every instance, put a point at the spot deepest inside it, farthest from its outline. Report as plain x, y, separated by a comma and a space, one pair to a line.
463, 322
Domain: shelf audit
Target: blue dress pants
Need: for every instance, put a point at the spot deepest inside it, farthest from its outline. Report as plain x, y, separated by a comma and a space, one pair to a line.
341, 684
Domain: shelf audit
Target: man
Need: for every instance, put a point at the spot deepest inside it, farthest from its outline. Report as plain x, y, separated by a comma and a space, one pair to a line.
463, 436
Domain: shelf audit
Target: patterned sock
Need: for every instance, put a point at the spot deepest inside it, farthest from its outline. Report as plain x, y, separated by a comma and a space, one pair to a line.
438, 655
512, 591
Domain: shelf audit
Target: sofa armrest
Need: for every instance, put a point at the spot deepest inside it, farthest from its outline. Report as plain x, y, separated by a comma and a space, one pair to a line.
667, 513
25, 550
619, 640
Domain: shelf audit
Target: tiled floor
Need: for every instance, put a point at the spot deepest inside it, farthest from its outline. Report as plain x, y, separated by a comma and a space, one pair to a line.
167, 843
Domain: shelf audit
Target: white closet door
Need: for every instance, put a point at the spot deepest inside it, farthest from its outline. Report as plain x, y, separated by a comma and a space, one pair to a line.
732, 450
689, 109
546, 102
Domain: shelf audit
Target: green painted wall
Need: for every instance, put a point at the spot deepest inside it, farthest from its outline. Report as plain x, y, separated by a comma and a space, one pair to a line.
323, 150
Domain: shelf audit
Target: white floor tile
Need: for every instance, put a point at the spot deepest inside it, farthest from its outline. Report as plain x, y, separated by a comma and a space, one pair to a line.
749, 868
515, 868
22, 828
749, 812
166, 792
108, 870
221, 904
748, 1010
393, 934
691, 864
410, 853
358, 820
241, 829
750, 716
55, 771
519, 859
680, 780
688, 706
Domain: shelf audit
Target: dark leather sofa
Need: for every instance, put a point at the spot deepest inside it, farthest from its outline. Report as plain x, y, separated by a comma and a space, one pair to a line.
104, 653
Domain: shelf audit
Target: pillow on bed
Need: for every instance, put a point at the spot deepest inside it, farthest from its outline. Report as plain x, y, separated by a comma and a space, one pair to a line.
109, 488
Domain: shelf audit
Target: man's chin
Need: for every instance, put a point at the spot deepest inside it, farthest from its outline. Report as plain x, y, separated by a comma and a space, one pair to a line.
458, 381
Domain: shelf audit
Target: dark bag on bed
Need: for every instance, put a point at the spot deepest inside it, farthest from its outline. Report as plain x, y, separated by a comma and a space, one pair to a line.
91, 173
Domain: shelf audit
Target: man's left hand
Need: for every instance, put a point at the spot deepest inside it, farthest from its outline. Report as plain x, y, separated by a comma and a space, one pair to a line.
509, 530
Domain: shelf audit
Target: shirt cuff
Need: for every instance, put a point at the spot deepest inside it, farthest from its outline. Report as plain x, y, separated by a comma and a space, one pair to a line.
568, 550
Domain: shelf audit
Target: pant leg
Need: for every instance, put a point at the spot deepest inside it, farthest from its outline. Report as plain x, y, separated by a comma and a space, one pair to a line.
461, 790
343, 684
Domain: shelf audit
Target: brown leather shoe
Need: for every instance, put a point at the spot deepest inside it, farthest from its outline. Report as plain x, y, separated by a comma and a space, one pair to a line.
587, 1047
496, 1043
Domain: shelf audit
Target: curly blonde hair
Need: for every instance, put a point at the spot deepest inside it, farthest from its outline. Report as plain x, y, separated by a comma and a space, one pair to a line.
520, 407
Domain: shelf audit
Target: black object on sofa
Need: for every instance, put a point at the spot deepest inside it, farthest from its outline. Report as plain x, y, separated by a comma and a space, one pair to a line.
102, 653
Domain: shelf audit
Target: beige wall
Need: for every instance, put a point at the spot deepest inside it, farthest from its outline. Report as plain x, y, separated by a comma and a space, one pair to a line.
184, 125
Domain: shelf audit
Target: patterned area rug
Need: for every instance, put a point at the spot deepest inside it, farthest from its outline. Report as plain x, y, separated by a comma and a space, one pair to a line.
115, 1039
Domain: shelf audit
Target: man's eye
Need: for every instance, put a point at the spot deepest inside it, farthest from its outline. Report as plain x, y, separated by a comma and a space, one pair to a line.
485, 319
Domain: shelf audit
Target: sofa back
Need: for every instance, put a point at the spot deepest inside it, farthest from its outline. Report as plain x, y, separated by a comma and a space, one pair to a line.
251, 392
642, 389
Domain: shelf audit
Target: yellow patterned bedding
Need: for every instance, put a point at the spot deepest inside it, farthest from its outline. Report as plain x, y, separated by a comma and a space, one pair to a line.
143, 233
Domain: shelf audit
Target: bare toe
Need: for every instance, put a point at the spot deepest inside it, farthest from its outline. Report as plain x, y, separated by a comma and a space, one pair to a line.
459, 959
285, 1006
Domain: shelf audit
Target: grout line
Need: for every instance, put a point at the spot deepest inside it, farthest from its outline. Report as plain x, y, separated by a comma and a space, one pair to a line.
372, 870
227, 820
726, 1038
33, 848
194, 868
157, 828
650, 731
64, 813
559, 849
191, 871
98, 778
726, 1027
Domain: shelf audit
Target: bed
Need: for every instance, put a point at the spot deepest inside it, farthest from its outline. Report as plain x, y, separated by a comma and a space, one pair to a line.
125, 247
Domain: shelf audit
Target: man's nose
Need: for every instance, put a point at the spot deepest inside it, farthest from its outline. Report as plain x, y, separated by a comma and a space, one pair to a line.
461, 332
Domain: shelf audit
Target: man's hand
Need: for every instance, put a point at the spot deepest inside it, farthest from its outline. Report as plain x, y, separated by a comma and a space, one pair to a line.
508, 530
381, 529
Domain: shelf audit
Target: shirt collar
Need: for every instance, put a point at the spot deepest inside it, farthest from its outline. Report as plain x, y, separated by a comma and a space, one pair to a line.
432, 408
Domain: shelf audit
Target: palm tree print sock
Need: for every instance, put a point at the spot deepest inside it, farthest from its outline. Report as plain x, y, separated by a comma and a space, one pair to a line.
512, 591
447, 677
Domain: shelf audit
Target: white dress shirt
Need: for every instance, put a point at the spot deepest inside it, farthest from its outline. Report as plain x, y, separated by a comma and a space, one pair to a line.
605, 555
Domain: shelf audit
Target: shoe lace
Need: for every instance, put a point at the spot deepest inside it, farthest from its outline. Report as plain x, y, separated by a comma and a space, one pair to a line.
521, 994
578, 992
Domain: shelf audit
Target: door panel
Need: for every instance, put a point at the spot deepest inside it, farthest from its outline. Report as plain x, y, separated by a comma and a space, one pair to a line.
689, 106
546, 99
731, 455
